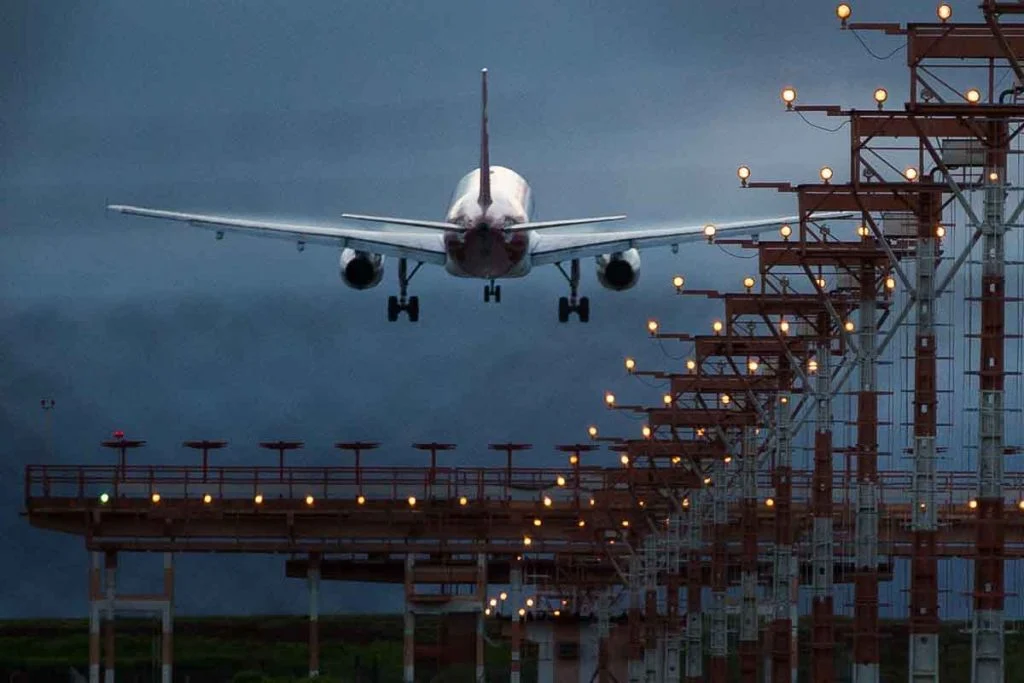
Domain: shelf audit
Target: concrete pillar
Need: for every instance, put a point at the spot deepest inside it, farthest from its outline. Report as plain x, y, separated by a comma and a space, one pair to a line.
95, 595
313, 578
409, 627
167, 622
517, 602
110, 586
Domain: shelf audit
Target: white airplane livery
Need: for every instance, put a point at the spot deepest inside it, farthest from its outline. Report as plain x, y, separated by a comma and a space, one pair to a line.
488, 233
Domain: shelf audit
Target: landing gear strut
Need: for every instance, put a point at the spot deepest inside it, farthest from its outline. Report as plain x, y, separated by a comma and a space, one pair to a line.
572, 304
492, 290
402, 302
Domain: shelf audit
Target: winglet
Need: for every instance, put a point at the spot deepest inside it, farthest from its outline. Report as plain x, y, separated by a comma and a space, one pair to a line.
484, 200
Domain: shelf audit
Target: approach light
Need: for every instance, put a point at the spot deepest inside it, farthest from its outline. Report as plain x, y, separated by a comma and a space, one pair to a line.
493, 602
207, 498
973, 96
678, 281
155, 498
812, 365
625, 523
527, 540
592, 432
784, 326
676, 459
412, 501
522, 612
709, 231
691, 364
923, 506
826, 174
557, 613
973, 504
944, 11
630, 365
537, 521
104, 498
881, 95
547, 501
749, 282
940, 231
863, 231
652, 326
707, 481
624, 459
581, 524
993, 176
560, 480
463, 501
784, 400
487, 612
770, 502
686, 502
717, 326
890, 283
503, 596
573, 459
752, 365
744, 174
667, 399
910, 173
361, 500
1021, 505
700, 431
843, 11
821, 283
788, 96
641, 503
728, 459
725, 399
786, 231
309, 500
849, 326
258, 499
646, 431
529, 602
593, 502
609, 399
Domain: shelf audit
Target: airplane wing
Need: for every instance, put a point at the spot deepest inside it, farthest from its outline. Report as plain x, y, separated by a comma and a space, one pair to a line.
424, 247
555, 248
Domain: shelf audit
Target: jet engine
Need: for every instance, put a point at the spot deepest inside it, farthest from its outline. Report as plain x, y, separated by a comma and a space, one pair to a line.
620, 270
361, 269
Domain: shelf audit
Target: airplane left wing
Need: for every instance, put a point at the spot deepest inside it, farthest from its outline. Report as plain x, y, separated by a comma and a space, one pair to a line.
424, 247
554, 248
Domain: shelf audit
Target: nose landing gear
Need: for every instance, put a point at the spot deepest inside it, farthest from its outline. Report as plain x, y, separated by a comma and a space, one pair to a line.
402, 302
572, 303
492, 290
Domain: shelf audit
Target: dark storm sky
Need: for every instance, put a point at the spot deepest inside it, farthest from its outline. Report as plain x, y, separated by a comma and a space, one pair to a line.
305, 110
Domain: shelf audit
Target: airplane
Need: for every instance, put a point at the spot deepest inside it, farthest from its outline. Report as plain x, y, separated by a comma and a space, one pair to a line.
489, 233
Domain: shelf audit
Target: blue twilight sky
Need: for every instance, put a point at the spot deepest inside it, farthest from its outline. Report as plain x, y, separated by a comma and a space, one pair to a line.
309, 109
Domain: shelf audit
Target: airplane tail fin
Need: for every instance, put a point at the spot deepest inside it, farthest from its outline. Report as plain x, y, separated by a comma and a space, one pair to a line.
485, 156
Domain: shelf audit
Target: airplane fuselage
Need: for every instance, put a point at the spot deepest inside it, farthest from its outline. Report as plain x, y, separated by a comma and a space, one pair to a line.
485, 249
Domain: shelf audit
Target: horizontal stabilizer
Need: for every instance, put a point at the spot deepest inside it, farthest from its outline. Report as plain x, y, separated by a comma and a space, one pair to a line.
543, 225
433, 225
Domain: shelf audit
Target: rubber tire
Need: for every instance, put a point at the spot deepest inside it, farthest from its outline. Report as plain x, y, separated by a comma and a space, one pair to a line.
392, 308
563, 309
497, 294
584, 310
487, 293
413, 309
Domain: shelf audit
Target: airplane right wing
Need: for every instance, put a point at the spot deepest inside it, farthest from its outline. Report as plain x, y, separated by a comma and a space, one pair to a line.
554, 248
423, 247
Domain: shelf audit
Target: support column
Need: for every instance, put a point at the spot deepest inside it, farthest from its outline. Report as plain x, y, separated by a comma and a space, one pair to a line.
167, 622
313, 579
517, 638
481, 592
672, 639
603, 632
748, 561
544, 636
110, 586
987, 642
694, 625
782, 664
923, 658
822, 609
865, 590
409, 627
95, 596
652, 674
635, 658
718, 663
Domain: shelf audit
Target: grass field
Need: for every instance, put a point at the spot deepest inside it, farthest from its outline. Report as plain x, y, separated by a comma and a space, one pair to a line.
365, 648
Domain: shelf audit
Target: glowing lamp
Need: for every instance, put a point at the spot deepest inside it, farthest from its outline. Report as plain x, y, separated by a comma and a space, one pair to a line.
785, 231
104, 498
678, 281
993, 176
609, 399
1021, 505
749, 282
258, 499
667, 399
743, 172
973, 96
676, 459
849, 326
581, 524
630, 365
717, 326
709, 231
910, 173
646, 431
155, 498
494, 602
652, 326
728, 459
821, 283
707, 481
843, 11
863, 231
412, 501
463, 501
881, 95
547, 501
686, 502
573, 459
788, 96
973, 504
522, 612
940, 231
207, 498
504, 596
557, 612
593, 502
527, 540
529, 602
560, 480
890, 282
770, 502
309, 500
825, 173
812, 365
691, 364
592, 432
752, 365
725, 399
361, 500
944, 12
537, 521
784, 326
487, 612
624, 459
625, 523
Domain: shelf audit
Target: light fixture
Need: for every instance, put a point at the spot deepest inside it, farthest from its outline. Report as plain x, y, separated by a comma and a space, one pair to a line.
625, 523
503, 596
709, 232
494, 602
624, 459
678, 281
667, 399
843, 11
529, 602
863, 231
686, 502
993, 176
573, 459
487, 612
752, 365
361, 499
728, 459
743, 172
592, 432
522, 612
691, 364
630, 365
749, 282
785, 231
463, 501
609, 398
593, 502
207, 498
309, 500
910, 173
812, 365
258, 499
788, 96
725, 399
581, 524
940, 231
560, 480
547, 501
881, 95
716, 326
676, 459
826, 174
1021, 505
557, 612
849, 326
527, 540
890, 282
770, 502
944, 12
707, 481
537, 521
973, 504
646, 431
412, 501
973, 96
652, 326
104, 498
784, 326
821, 283
155, 498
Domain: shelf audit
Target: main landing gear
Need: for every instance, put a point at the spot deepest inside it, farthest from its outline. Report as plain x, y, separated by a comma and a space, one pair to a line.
409, 304
570, 304
492, 290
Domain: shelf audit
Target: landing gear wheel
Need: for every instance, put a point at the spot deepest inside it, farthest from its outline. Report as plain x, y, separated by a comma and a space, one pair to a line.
403, 302
563, 309
413, 309
497, 294
583, 310
487, 293
393, 309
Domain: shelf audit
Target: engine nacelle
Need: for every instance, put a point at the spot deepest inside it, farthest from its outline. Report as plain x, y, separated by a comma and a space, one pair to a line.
620, 270
361, 269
